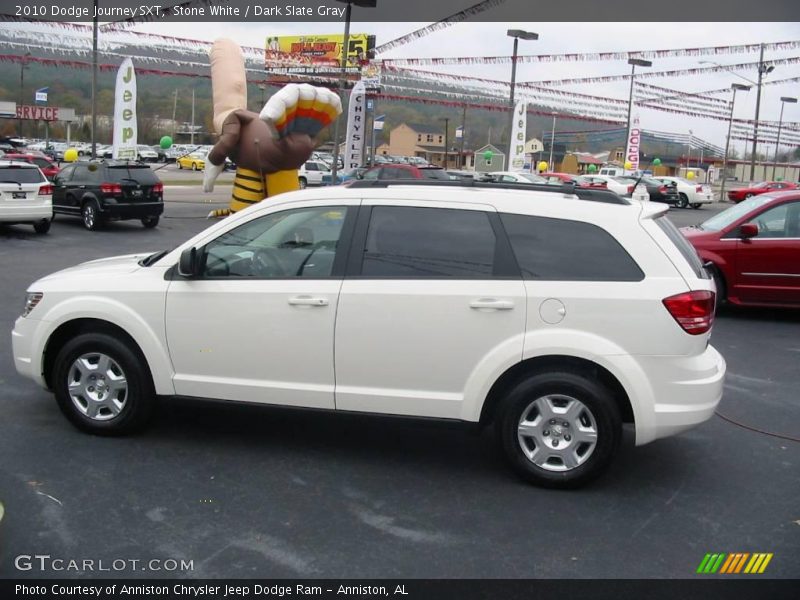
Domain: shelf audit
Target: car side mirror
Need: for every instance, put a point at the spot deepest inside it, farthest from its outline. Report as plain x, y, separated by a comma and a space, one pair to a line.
748, 230
187, 264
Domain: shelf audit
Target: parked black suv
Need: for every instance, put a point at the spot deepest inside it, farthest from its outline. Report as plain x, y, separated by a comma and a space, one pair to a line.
108, 190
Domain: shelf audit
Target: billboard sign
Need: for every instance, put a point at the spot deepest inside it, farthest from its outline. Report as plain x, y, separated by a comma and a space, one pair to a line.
317, 50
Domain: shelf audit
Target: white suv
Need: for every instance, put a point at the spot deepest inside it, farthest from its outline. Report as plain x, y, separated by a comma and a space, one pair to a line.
26, 195
555, 314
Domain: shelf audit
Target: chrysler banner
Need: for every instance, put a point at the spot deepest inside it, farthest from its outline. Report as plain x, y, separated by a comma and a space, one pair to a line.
356, 119
125, 112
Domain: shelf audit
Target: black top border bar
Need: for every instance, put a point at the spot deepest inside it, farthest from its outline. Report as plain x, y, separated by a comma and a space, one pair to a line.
422, 11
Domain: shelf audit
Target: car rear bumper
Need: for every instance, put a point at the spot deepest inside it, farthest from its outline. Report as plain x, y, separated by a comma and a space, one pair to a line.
131, 210
25, 211
685, 392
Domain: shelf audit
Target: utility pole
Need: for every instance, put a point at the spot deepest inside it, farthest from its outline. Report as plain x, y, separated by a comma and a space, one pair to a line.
463, 135
735, 87
94, 82
191, 134
22, 66
761, 71
174, 111
446, 139
552, 142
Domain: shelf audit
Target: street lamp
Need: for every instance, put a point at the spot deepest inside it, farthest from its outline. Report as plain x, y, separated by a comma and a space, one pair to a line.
784, 100
517, 34
734, 87
342, 77
446, 139
633, 62
22, 66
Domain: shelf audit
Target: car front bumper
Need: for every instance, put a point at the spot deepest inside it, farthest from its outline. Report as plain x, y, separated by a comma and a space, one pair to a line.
24, 338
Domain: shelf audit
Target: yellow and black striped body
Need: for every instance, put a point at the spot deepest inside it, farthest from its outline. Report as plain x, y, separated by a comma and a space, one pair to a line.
249, 188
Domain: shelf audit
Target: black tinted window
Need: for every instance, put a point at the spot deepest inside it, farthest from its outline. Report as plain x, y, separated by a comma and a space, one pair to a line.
20, 175
683, 245
428, 242
563, 250
124, 174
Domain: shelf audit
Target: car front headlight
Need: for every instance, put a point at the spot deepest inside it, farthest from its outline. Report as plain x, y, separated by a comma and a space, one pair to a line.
31, 300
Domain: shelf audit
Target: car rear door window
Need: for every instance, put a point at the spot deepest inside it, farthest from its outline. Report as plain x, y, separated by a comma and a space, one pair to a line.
564, 250
415, 242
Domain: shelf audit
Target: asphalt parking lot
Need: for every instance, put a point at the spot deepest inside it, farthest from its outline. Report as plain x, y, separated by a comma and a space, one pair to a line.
248, 491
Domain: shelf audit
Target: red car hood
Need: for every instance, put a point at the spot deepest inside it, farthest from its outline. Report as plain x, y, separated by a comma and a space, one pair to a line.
693, 234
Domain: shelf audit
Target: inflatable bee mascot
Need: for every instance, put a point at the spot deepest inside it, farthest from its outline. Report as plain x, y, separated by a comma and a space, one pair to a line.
267, 148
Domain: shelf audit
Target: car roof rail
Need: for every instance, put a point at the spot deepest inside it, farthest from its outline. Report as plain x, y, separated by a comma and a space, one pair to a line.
604, 196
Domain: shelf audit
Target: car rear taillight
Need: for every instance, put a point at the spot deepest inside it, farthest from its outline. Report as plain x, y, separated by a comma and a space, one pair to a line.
111, 188
46, 190
699, 188
630, 189
694, 311
158, 188
662, 189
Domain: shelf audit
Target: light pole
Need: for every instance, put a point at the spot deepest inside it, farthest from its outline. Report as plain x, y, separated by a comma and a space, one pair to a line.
784, 100
552, 143
446, 139
342, 78
734, 87
517, 34
94, 83
22, 66
633, 62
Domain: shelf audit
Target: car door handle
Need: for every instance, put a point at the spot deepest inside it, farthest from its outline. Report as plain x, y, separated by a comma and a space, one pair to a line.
308, 301
491, 303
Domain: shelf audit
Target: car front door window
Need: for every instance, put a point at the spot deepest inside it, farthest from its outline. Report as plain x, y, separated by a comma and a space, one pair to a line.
288, 244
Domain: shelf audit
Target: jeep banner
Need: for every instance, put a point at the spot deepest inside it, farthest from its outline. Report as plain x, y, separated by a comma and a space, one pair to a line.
516, 153
125, 112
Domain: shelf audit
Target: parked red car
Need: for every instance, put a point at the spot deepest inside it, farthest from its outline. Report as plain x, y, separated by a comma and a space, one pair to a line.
754, 250
48, 167
578, 180
403, 171
760, 188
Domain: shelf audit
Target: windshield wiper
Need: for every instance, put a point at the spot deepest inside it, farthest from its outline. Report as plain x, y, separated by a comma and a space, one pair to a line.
156, 256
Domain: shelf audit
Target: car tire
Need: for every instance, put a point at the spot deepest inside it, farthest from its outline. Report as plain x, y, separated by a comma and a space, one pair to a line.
559, 429
42, 226
303, 183
150, 222
683, 201
102, 385
90, 215
697, 205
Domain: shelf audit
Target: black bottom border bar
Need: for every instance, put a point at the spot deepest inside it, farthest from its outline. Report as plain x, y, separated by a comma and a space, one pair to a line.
399, 589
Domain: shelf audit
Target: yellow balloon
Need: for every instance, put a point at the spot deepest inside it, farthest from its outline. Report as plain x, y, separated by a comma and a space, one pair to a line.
690, 175
628, 165
70, 155
542, 166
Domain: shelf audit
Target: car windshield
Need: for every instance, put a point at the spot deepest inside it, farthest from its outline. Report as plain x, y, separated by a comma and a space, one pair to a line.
648, 181
435, 174
721, 220
14, 174
763, 184
140, 174
532, 178
624, 179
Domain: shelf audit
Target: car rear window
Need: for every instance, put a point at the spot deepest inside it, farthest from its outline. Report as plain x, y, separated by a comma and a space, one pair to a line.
683, 245
141, 174
565, 250
14, 174
435, 174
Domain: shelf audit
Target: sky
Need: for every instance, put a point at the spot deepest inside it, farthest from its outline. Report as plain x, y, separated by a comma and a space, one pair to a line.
490, 39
